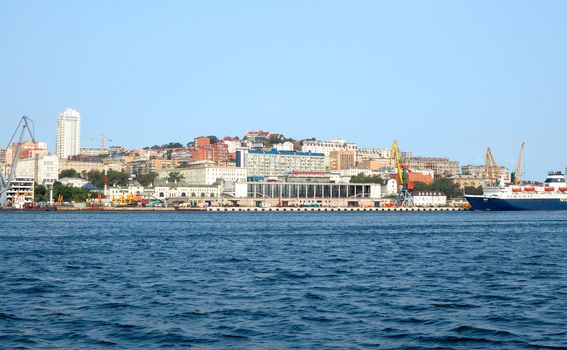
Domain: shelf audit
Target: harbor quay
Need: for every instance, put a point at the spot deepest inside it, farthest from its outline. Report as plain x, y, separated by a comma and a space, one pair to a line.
266, 209
337, 209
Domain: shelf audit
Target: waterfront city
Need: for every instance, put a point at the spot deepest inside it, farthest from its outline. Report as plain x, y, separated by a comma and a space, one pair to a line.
260, 169
259, 174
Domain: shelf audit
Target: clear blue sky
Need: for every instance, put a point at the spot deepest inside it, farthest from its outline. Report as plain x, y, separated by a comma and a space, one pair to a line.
445, 78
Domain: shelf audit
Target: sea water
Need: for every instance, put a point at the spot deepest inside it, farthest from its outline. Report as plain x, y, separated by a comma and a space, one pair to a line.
458, 280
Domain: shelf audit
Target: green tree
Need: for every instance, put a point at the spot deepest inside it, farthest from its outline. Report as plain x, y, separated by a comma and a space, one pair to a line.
175, 176
147, 179
115, 178
68, 173
172, 145
421, 186
473, 190
118, 178
445, 185
40, 193
69, 193
361, 178
213, 139
96, 178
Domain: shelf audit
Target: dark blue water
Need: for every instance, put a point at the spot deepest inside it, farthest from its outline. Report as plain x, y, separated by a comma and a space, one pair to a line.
283, 280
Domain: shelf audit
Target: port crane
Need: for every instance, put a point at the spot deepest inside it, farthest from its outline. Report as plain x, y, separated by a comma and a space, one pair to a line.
404, 197
516, 174
25, 124
103, 142
490, 167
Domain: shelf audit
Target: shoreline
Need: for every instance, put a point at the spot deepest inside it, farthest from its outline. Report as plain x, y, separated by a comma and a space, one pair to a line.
244, 209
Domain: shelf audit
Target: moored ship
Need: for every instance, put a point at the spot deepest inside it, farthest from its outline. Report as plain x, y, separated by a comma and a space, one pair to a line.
552, 195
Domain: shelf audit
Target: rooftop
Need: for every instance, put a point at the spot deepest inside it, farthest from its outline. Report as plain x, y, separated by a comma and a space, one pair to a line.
290, 153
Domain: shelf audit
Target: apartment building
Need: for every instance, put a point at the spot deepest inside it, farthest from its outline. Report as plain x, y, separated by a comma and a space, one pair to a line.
28, 149
279, 163
154, 165
207, 174
339, 160
442, 167
479, 172
68, 133
326, 147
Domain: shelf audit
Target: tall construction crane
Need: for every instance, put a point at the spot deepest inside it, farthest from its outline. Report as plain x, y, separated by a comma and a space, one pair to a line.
404, 196
103, 142
490, 167
25, 124
517, 174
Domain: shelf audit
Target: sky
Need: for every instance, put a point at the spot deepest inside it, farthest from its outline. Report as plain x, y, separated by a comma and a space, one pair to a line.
444, 78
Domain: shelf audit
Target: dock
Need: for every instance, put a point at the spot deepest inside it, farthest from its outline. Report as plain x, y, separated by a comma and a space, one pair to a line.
337, 209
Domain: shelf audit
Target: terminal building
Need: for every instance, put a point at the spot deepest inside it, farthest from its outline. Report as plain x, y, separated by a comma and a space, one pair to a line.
295, 191
310, 190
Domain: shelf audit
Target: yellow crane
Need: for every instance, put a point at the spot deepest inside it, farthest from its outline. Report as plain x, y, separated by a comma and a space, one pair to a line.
404, 196
396, 155
516, 174
490, 167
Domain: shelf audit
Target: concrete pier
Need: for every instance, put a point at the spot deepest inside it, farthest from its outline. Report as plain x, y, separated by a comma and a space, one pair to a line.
340, 209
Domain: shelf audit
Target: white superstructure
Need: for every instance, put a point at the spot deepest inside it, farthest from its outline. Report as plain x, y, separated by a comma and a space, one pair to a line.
68, 133
554, 186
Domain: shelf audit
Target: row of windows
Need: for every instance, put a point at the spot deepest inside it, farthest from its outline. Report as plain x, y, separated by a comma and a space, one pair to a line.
193, 194
552, 179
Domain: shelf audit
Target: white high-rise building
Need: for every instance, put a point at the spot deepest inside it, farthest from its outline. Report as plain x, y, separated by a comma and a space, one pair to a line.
68, 133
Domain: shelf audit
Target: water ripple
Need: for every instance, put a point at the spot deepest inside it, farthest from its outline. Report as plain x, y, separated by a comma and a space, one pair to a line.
283, 280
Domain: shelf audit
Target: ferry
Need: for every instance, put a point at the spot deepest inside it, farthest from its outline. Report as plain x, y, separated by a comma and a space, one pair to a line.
551, 196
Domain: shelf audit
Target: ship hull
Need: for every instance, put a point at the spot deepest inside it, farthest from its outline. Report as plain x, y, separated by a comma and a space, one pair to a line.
516, 204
